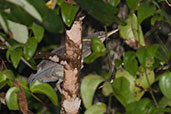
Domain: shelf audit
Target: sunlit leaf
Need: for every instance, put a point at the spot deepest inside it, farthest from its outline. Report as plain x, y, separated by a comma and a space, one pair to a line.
16, 56
11, 98
99, 108
30, 47
19, 31
44, 88
88, 88
38, 32
68, 13
165, 84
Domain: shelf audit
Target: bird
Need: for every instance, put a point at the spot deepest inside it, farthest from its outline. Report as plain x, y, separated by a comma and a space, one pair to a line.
49, 71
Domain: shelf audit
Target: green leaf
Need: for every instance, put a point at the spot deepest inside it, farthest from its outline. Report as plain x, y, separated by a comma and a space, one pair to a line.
144, 11
142, 56
164, 102
30, 48
97, 48
99, 108
21, 15
132, 30
15, 56
107, 89
132, 4
53, 23
122, 91
7, 74
11, 98
118, 63
152, 49
68, 13
162, 53
38, 32
44, 88
130, 63
156, 18
142, 80
165, 84
100, 10
88, 87
144, 106
27, 7
114, 2
19, 31
97, 45
3, 23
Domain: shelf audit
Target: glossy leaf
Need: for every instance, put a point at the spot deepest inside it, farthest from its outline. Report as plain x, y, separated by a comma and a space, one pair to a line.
98, 108
16, 56
53, 23
100, 10
132, 4
38, 32
107, 89
142, 15
132, 30
27, 7
97, 45
165, 84
11, 98
68, 13
130, 63
19, 31
98, 50
44, 88
88, 88
30, 48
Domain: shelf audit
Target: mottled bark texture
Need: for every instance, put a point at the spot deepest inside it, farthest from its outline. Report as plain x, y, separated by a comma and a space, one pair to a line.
71, 85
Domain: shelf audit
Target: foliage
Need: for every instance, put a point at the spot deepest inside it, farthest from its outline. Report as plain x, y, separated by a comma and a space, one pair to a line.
28, 26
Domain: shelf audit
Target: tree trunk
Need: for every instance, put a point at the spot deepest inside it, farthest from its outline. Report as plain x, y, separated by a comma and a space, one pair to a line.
71, 85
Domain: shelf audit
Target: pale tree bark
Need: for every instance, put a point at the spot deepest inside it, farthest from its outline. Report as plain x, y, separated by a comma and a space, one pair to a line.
71, 100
